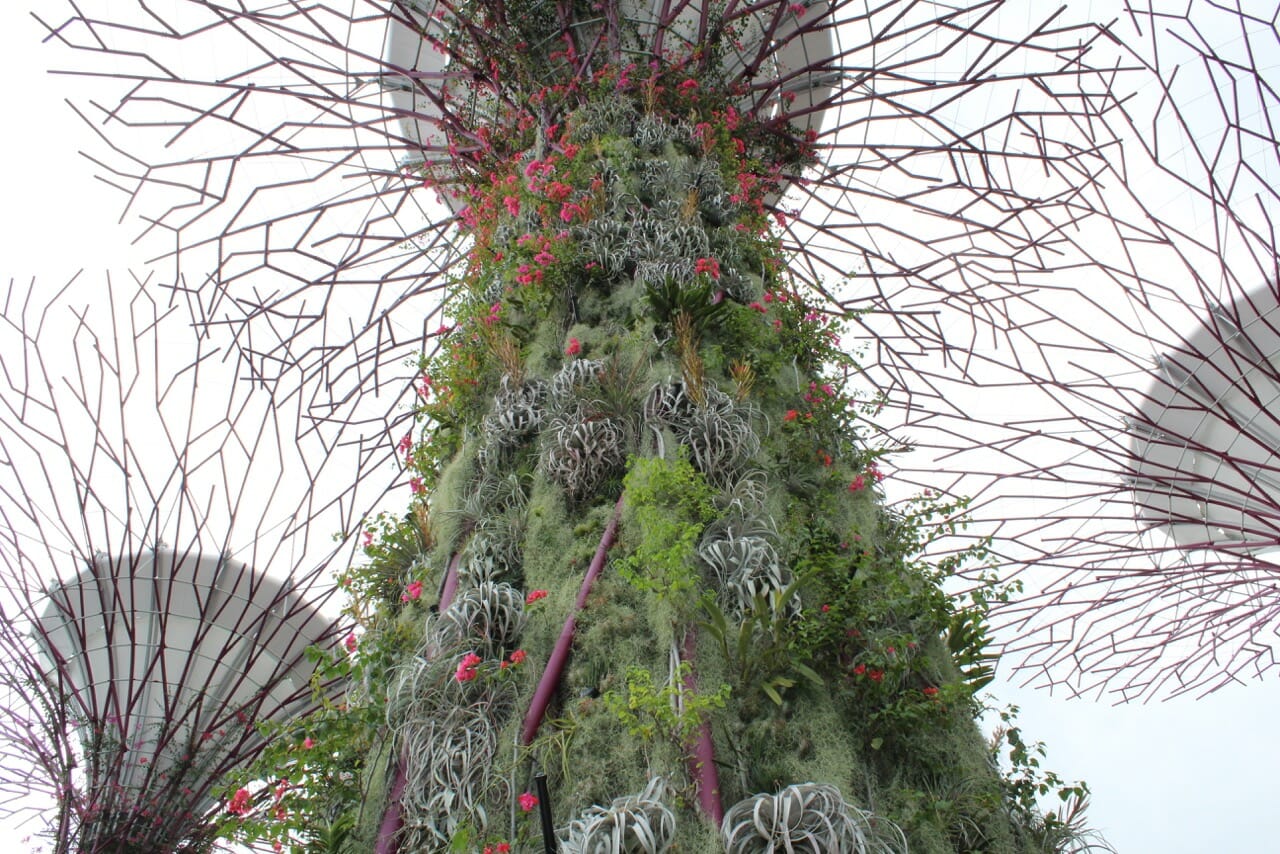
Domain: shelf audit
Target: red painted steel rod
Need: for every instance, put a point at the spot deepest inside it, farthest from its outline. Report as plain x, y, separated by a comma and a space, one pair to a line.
702, 752
550, 680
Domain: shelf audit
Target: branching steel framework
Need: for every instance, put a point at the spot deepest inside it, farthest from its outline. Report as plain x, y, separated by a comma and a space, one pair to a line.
164, 565
1028, 208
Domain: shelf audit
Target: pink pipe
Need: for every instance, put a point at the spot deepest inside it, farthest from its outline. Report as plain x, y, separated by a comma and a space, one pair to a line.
702, 752
560, 653
450, 586
393, 818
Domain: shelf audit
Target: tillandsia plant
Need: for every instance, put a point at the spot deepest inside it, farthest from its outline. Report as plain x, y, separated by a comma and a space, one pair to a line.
647, 550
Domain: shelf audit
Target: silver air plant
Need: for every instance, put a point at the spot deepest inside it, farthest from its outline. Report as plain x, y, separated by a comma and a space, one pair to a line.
806, 818
634, 824
747, 566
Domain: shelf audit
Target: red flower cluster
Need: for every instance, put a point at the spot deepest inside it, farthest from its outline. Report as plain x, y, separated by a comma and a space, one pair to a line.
874, 674
239, 803
467, 667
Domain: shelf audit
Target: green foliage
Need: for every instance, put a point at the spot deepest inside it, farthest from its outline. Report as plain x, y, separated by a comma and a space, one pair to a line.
308, 779
696, 302
393, 547
648, 711
1024, 779
967, 641
669, 504
1025, 782
762, 650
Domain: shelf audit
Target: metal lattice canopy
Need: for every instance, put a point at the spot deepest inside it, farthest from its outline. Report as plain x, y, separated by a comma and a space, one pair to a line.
1022, 201
165, 560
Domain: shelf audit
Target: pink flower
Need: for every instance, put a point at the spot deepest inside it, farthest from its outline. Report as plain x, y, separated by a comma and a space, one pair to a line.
405, 443
826, 609
569, 210
307, 743
368, 538
467, 667
417, 486
503, 848
859, 670
858, 483
688, 85
512, 203
574, 348
239, 803
710, 266
534, 596
517, 657
528, 800
351, 642
758, 307
876, 675
558, 192
791, 415
413, 591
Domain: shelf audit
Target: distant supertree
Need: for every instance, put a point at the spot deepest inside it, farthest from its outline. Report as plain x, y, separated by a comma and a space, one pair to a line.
618, 314
160, 578
1126, 469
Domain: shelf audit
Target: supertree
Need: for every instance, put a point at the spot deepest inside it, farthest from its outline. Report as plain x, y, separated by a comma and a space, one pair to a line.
1127, 472
159, 585
639, 215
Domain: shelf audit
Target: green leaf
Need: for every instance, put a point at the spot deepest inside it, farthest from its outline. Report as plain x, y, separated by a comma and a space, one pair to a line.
807, 672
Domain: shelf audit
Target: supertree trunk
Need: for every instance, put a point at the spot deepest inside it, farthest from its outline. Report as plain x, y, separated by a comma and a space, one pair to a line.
668, 578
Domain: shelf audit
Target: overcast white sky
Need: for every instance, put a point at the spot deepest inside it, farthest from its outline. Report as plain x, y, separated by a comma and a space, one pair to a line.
1183, 776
